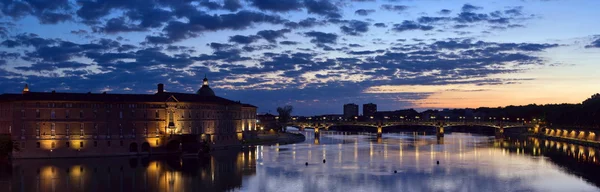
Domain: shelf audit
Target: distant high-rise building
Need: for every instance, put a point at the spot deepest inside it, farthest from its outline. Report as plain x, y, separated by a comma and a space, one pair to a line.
350, 110
369, 109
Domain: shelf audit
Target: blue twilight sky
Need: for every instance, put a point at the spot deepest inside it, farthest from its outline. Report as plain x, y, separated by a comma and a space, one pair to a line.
315, 55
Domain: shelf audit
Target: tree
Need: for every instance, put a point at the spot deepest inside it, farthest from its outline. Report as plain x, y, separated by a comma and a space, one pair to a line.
285, 114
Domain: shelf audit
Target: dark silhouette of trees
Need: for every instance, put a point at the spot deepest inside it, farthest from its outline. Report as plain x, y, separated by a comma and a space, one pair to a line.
285, 115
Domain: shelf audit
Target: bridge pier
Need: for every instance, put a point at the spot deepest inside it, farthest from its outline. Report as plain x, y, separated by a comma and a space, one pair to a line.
500, 132
317, 132
379, 131
440, 131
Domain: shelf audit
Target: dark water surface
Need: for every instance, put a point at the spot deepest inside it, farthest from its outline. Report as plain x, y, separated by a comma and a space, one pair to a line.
353, 163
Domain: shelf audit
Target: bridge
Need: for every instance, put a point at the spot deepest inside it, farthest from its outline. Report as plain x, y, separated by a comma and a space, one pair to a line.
438, 125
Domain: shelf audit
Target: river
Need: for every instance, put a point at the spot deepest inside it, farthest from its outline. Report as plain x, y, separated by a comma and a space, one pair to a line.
353, 162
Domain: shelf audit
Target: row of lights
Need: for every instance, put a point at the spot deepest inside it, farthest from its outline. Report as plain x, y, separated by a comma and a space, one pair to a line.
432, 117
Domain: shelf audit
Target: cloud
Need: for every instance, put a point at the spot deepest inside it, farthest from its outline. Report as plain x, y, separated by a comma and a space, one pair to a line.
470, 8
305, 23
445, 11
240, 39
411, 25
47, 12
355, 27
364, 12
322, 38
272, 35
232, 5
595, 43
395, 8
277, 5
322, 7
201, 22
382, 25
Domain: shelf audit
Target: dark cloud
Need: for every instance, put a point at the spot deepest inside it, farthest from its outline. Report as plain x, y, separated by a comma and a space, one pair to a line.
445, 11
595, 43
277, 5
355, 27
272, 35
240, 39
380, 25
47, 11
202, 22
289, 43
411, 25
232, 5
322, 38
305, 23
322, 7
397, 8
470, 8
118, 25
38, 67
364, 12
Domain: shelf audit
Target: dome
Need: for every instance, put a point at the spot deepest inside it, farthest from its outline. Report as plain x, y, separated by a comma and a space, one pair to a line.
205, 90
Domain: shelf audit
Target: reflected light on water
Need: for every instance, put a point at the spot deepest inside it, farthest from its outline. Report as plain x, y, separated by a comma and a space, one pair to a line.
358, 163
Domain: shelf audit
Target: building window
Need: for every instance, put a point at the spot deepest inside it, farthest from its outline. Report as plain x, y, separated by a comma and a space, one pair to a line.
120, 131
156, 114
81, 144
67, 114
157, 128
107, 114
182, 114
52, 129
157, 142
145, 114
145, 129
121, 114
95, 114
52, 114
37, 130
81, 114
95, 129
53, 145
190, 114
132, 113
68, 144
133, 130
37, 113
67, 130
81, 126
37, 144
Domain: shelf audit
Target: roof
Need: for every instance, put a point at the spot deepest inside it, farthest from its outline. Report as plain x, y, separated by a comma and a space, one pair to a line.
106, 97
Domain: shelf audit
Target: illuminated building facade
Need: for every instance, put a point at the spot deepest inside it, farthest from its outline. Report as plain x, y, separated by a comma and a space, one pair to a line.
52, 124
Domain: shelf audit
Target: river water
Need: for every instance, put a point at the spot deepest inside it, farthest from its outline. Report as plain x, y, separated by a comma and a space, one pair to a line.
395, 162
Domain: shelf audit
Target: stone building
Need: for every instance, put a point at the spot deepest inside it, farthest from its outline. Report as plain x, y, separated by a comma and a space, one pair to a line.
53, 124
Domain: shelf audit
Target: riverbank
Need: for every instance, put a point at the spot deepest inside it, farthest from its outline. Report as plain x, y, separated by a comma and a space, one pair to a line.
276, 138
587, 143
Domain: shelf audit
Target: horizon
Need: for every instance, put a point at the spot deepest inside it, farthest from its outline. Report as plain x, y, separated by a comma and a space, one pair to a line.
315, 55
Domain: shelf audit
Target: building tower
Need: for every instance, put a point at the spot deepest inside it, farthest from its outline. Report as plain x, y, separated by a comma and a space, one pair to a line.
205, 90
350, 111
369, 109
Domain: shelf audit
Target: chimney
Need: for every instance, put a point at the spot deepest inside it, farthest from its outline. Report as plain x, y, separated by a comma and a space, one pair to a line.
161, 88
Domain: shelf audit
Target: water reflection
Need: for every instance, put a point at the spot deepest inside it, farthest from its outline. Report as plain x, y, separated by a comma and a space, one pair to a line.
355, 162
222, 171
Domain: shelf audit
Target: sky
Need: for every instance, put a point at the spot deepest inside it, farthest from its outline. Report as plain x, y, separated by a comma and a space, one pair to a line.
315, 55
